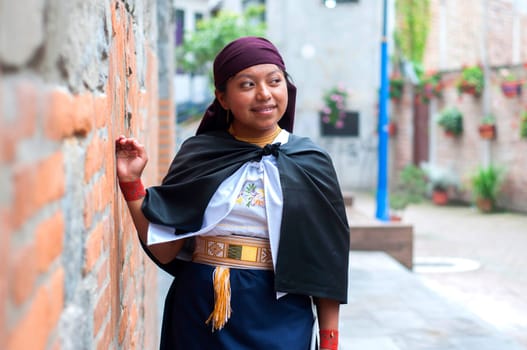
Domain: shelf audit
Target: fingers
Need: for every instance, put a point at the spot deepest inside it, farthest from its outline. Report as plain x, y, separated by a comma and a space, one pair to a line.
130, 145
127, 143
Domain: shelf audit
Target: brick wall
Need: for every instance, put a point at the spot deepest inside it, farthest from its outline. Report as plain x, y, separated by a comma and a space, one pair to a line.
73, 274
468, 33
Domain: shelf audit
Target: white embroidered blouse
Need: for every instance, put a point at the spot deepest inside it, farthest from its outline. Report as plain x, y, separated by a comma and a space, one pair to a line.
247, 203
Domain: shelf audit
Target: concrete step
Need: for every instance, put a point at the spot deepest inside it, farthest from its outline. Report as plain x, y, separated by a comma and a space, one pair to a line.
392, 237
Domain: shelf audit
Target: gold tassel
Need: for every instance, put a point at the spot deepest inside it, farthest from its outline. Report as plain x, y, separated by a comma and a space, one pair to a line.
222, 298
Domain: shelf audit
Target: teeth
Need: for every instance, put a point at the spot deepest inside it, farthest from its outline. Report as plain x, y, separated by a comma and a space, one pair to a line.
264, 109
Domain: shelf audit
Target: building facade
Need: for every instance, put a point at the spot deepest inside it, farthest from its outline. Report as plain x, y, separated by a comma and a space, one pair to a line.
491, 34
73, 76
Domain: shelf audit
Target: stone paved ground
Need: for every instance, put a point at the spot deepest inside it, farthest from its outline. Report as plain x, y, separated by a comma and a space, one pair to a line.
497, 290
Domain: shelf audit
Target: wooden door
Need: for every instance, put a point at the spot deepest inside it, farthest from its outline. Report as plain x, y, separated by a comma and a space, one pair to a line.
421, 131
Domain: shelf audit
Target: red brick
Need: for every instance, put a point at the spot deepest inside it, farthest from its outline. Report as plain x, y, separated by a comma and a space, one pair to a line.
95, 157
101, 111
102, 310
123, 324
105, 340
41, 318
84, 113
7, 145
36, 185
103, 274
59, 121
27, 103
51, 179
93, 248
55, 296
23, 274
49, 240
30, 332
5, 237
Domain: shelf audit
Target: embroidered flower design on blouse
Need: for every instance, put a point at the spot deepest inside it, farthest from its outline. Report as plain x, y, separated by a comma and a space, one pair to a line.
251, 196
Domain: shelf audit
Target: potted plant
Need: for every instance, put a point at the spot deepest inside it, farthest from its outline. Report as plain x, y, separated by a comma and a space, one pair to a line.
430, 86
410, 188
471, 81
392, 128
511, 86
523, 125
334, 118
486, 184
440, 180
398, 201
396, 87
487, 127
451, 120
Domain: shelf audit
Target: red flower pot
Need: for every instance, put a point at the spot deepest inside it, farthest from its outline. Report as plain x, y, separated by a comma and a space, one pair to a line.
468, 89
511, 88
487, 131
440, 197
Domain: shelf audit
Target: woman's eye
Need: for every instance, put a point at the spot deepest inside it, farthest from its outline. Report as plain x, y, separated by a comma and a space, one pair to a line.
246, 84
276, 81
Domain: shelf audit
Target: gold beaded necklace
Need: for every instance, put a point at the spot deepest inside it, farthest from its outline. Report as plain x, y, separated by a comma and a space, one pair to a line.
259, 141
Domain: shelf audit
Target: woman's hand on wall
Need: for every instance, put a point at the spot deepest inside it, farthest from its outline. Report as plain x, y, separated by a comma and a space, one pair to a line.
131, 158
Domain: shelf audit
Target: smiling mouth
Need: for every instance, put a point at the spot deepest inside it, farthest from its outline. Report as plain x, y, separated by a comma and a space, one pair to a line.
264, 109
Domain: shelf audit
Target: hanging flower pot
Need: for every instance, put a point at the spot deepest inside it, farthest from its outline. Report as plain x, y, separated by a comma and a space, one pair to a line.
471, 81
523, 125
487, 131
468, 88
487, 128
392, 128
429, 87
511, 89
451, 120
396, 88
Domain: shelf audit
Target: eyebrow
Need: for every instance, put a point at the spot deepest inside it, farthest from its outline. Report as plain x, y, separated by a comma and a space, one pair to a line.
245, 75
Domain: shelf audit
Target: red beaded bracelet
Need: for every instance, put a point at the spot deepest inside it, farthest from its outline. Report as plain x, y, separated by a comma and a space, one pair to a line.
329, 339
132, 190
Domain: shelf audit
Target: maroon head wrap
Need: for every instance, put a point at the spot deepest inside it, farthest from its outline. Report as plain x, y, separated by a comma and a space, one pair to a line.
236, 56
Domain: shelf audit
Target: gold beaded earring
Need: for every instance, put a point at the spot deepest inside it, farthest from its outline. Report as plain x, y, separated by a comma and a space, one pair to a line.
228, 117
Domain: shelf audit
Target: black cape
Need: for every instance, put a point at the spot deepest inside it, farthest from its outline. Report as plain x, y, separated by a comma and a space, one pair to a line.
314, 238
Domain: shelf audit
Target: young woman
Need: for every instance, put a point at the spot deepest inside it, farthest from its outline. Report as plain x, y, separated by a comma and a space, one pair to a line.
249, 219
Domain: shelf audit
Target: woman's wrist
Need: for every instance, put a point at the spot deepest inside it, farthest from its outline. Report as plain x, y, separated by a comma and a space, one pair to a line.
132, 190
329, 339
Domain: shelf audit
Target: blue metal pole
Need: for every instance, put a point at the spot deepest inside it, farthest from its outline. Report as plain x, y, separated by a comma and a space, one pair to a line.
382, 212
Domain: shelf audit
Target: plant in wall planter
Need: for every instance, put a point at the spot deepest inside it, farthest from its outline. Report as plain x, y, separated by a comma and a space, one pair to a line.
430, 86
487, 127
440, 181
396, 87
486, 185
523, 125
471, 81
451, 120
510, 85
334, 118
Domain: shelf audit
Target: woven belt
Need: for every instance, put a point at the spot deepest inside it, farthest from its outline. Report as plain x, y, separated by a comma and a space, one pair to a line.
234, 251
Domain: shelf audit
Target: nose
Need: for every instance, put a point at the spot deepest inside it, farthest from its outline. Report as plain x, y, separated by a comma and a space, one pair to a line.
263, 92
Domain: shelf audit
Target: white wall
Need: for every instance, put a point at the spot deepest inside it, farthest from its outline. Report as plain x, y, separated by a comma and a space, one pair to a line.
324, 47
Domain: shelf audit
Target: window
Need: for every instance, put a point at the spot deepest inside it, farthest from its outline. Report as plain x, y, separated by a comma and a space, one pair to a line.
333, 3
197, 17
180, 26
247, 3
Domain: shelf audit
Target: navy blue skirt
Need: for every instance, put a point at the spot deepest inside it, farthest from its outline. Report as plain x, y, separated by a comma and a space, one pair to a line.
258, 320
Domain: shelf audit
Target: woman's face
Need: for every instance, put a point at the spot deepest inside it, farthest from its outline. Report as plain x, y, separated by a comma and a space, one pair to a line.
256, 98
